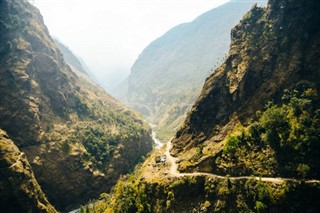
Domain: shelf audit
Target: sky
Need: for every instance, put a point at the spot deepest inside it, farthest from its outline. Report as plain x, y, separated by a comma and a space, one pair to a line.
109, 35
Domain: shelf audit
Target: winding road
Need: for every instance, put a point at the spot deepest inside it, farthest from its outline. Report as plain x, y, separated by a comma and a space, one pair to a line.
173, 171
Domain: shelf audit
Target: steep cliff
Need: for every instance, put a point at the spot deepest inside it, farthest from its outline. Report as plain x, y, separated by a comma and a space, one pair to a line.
273, 50
78, 139
20, 192
167, 77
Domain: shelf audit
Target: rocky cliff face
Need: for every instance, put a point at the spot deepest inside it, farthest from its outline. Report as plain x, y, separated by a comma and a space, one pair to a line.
20, 192
78, 138
168, 75
272, 49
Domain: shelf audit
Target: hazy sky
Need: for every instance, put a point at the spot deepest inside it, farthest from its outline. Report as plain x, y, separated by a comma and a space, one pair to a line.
110, 34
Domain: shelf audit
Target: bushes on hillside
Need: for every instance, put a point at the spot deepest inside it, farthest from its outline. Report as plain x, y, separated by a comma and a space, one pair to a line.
291, 130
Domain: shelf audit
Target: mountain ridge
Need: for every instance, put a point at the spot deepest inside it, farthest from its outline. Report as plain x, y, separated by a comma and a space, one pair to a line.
78, 138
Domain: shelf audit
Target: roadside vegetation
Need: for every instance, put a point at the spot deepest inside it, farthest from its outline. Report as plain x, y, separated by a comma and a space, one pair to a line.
206, 194
284, 141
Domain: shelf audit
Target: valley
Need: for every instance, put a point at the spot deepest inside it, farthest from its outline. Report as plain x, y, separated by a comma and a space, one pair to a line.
227, 117
168, 76
250, 142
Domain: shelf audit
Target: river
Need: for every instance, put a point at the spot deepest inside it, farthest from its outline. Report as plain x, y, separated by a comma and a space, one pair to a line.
157, 142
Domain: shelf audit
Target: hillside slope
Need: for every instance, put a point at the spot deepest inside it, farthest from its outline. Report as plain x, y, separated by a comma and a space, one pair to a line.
273, 53
168, 75
20, 191
78, 139
251, 141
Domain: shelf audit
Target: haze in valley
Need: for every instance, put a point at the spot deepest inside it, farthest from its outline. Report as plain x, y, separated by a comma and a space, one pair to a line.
110, 35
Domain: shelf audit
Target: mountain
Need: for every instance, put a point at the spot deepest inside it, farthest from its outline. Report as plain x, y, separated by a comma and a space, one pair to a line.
78, 139
250, 142
271, 58
168, 75
20, 191
75, 62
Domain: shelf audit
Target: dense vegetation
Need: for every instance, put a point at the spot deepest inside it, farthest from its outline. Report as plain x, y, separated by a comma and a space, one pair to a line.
283, 141
205, 194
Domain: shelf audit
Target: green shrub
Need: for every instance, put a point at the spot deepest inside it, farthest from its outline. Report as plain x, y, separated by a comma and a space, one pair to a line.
259, 206
231, 145
289, 133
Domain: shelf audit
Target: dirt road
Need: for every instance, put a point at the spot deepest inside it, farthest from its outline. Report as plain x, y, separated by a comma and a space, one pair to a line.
173, 171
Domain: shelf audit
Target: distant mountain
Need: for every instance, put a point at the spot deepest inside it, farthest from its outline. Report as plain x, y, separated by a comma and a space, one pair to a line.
75, 62
78, 139
168, 75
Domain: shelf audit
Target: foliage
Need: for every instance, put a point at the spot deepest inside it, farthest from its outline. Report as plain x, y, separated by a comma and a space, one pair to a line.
231, 145
289, 133
98, 145
65, 146
197, 194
